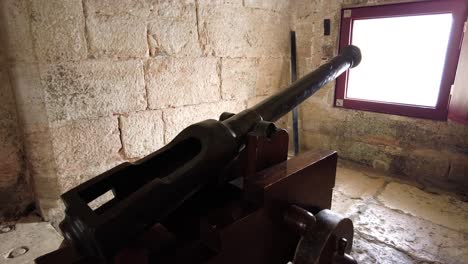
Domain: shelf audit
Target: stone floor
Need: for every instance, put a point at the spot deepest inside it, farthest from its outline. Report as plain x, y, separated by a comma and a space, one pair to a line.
394, 223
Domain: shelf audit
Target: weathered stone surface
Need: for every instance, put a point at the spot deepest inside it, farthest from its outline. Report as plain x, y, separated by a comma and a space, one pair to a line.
273, 75
142, 133
173, 82
315, 140
58, 30
110, 36
174, 37
356, 184
366, 252
176, 119
229, 31
37, 237
87, 148
345, 205
17, 27
239, 78
184, 9
427, 164
10, 144
124, 8
420, 238
440, 209
274, 5
93, 88
29, 95
459, 170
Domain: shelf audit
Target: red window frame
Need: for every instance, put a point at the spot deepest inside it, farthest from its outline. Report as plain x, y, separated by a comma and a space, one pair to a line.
458, 8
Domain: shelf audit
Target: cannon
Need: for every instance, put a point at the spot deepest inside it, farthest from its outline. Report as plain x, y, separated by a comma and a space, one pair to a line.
223, 191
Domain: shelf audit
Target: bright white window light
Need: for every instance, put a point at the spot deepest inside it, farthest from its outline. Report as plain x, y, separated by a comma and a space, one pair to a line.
402, 59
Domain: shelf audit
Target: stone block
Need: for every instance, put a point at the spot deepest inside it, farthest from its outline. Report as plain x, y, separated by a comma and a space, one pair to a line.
173, 37
273, 5
29, 95
345, 205
229, 31
367, 252
273, 75
58, 29
176, 119
356, 184
180, 9
17, 28
418, 237
123, 8
85, 149
142, 133
38, 237
11, 163
437, 208
111, 36
93, 88
173, 82
459, 170
239, 78
427, 164
315, 140
255, 100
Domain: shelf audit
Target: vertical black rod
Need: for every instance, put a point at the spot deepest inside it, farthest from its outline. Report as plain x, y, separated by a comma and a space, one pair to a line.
293, 79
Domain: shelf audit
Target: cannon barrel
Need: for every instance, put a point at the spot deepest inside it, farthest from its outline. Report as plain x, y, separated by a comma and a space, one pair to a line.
279, 104
276, 106
148, 191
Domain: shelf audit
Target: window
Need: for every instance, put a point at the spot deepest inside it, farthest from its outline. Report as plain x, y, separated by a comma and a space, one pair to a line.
409, 57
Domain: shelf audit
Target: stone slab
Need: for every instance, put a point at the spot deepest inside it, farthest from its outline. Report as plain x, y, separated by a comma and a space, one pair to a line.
58, 29
273, 5
93, 88
437, 208
142, 133
173, 82
356, 184
85, 149
176, 119
419, 238
366, 252
230, 31
37, 237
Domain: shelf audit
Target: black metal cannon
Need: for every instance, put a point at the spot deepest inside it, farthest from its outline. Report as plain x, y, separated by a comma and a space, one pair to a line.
188, 193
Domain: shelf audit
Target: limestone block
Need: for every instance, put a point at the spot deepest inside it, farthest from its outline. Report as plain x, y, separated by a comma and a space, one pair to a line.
142, 133
221, 2
85, 149
17, 27
10, 144
345, 205
93, 88
427, 164
356, 184
174, 37
173, 82
274, 5
229, 31
38, 237
437, 208
366, 252
29, 95
111, 36
239, 78
176, 119
58, 30
123, 8
418, 237
459, 170
274, 74
180, 9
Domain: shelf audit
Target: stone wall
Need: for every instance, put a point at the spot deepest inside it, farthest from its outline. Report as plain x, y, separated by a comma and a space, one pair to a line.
15, 191
426, 151
98, 83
